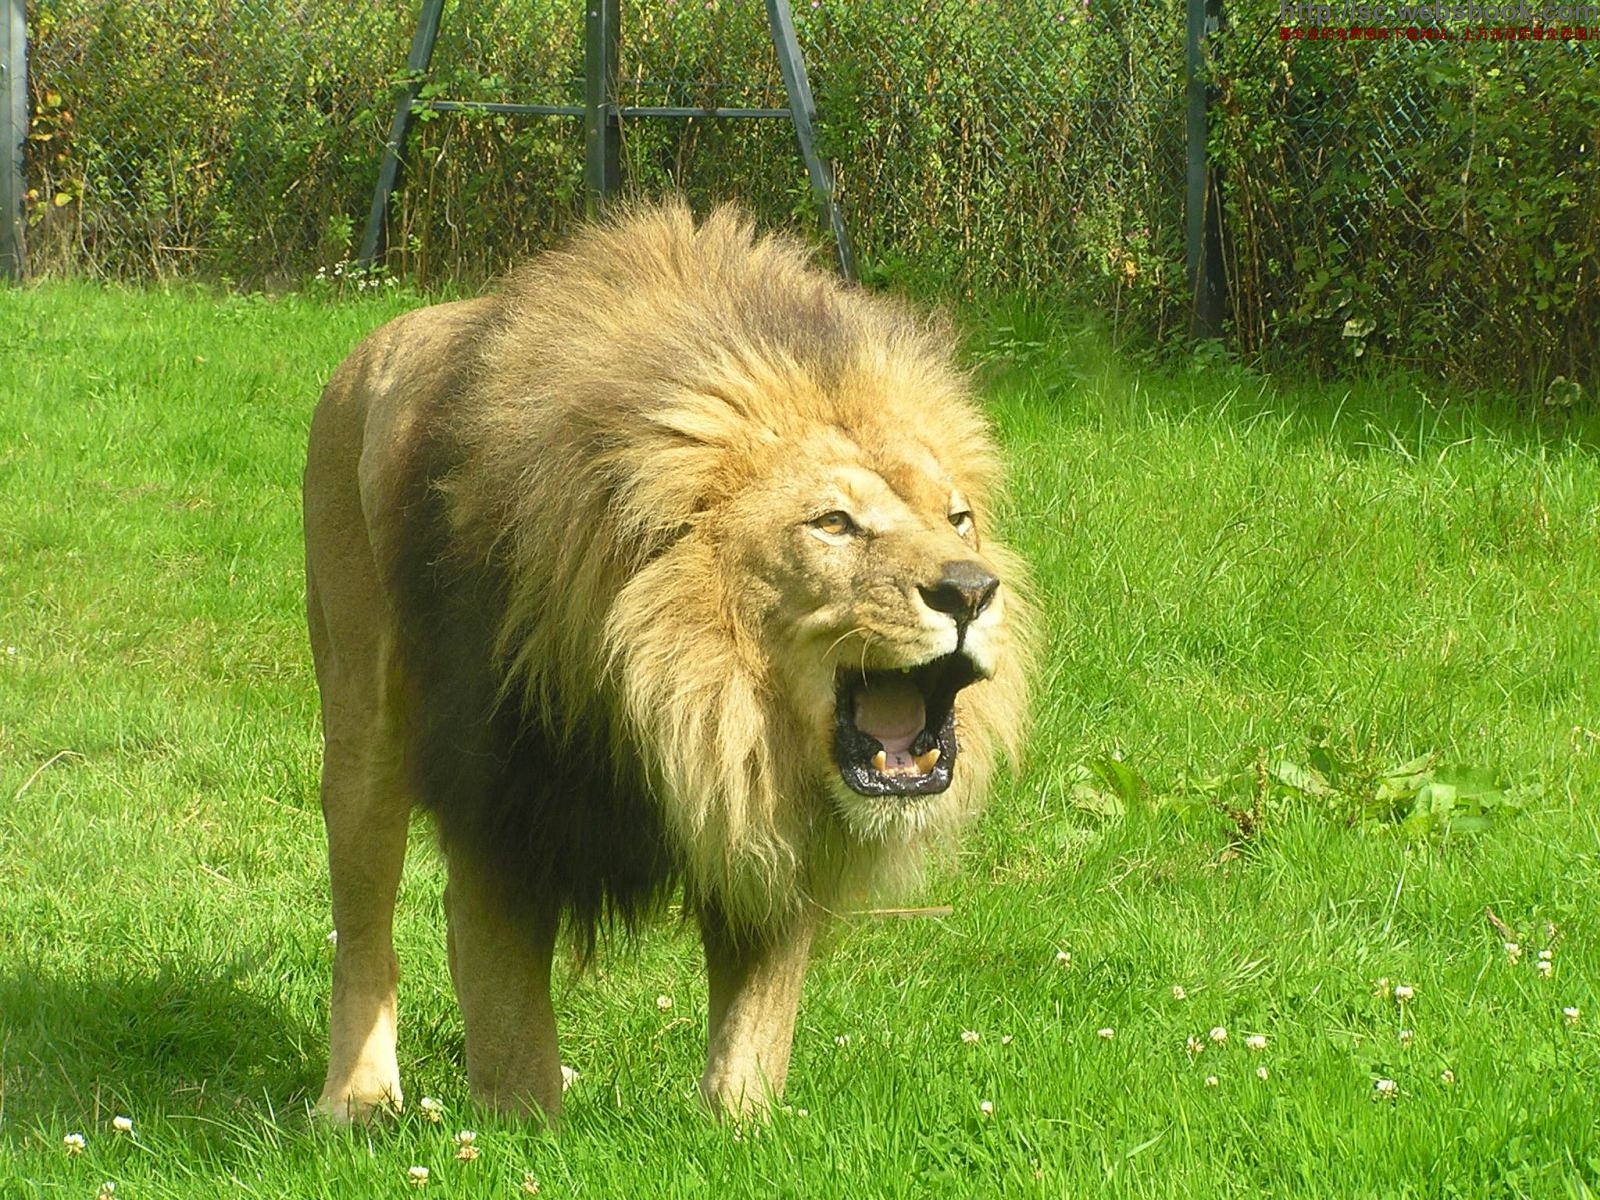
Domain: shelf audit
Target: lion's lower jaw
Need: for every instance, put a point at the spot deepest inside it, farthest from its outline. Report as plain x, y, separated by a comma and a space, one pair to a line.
885, 821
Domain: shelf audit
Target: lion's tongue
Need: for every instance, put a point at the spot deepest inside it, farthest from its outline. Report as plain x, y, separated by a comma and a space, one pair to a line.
891, 710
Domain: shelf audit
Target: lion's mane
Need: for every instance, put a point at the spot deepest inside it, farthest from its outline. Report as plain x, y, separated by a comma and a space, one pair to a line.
587, 476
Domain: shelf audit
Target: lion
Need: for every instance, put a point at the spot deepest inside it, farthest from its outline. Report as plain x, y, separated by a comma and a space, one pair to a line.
663, 571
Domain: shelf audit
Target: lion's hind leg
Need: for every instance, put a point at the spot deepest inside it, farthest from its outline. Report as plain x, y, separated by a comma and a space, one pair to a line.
366, 806
500, 965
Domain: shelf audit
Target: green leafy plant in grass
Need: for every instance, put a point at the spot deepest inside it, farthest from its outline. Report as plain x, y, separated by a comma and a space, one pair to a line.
1421, 796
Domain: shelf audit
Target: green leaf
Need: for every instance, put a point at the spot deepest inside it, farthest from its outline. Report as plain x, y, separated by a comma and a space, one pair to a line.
1304, 780
1122, 780
1090, 799
1474, 783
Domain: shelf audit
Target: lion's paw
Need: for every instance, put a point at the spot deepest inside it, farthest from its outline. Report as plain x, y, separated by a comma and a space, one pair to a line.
355, 1105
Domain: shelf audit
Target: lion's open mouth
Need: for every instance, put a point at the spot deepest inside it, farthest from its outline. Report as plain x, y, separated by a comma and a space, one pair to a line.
895, 731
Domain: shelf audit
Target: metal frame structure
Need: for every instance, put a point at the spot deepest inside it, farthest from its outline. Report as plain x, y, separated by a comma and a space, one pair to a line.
1203, 196
603, 117
13, 131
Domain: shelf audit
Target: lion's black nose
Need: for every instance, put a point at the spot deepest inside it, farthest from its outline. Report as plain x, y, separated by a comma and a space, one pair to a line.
963, 591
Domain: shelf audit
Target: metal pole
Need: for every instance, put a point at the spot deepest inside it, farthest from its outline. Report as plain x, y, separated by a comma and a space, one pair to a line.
417, 63
602, 134
803, 109
1203, 213
13, 132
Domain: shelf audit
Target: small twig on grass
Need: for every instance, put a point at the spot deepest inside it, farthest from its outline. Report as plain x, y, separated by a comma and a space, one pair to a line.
43, 767
1507, 934
907, 914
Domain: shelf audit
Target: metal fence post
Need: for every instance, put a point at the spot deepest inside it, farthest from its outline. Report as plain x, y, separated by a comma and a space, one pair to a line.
602, 135
417, 64
13, 132
803, 108
1203, 209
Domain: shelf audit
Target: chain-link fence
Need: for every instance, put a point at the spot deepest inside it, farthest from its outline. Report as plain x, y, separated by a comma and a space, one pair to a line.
1435, 201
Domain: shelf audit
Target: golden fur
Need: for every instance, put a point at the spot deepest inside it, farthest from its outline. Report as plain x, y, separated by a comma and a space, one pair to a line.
634, 452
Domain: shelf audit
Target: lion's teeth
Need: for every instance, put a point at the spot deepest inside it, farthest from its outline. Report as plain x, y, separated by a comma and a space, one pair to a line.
880, 762
926, 762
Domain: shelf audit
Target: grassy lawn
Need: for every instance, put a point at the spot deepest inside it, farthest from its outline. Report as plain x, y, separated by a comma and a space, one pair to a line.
1322, 687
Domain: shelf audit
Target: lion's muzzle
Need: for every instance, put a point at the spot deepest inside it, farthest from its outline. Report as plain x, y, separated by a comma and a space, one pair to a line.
963, 591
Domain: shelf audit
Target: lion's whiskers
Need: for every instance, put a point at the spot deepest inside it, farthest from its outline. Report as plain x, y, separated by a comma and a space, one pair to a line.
867, 638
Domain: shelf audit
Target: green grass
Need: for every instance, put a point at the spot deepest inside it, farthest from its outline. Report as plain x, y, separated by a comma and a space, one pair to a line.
1244, 579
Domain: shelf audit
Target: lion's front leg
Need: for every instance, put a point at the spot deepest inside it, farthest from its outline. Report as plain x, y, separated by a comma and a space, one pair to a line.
754, 996
500, 965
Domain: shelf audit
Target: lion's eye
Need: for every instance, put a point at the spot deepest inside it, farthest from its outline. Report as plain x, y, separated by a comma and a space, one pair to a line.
963, 522
834, 524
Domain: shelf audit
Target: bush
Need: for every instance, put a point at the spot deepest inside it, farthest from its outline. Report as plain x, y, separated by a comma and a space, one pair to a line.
1435, 202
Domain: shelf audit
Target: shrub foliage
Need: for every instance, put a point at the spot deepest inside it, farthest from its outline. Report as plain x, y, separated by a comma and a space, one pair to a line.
1436, 201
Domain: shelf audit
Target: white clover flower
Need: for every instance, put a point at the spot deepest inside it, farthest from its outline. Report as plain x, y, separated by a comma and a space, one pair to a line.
1387, 1089
1178, 993
74, 1143
1546, 955
802, 1112
1404, 992
1195, 1044
417, 1176
1261, 1072
1545, 967
1406, 1038
122, 1124
1219, 1035
1256, 1042
664, 1003
1212, 1081
842, 1039
1006, 1039
1513, 953
1107, 1034
969, 1036
1381, 989
107, 1191
1063, 958
431, 1109
1570, 1015
530, 1185
466, 1145
986, 1107
1447, 1076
